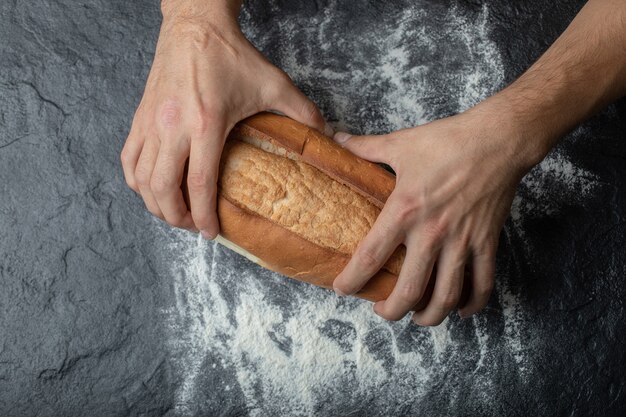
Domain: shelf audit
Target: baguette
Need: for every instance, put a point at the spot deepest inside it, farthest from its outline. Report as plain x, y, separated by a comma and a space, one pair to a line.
293, 201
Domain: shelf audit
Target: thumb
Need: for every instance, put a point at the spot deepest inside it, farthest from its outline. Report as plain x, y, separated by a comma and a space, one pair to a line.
293, 103
371, 147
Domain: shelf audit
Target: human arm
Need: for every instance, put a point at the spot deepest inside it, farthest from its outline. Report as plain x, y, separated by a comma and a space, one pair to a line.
205, 78
456, 177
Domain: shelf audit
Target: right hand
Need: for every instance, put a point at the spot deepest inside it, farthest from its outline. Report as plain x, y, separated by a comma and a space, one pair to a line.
205, 78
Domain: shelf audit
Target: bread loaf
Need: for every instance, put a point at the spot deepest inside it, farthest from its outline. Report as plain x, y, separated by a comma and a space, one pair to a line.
295, 202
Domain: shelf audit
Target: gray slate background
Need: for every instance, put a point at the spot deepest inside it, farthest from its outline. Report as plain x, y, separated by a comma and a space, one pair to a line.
85, 277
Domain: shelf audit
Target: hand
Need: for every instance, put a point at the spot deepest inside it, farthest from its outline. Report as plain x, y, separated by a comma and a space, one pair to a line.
456, 179
205, 78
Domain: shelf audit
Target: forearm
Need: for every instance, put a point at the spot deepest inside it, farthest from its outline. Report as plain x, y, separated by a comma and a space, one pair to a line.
583, 71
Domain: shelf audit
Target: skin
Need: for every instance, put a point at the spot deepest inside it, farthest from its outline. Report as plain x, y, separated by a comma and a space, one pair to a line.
456, 177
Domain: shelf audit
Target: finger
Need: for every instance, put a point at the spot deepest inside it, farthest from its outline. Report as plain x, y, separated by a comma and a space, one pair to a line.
293, 103
371, 254
166, 182
373, 148
482, 281
143, 175
412, 281
129, 157
204, 160
448, 287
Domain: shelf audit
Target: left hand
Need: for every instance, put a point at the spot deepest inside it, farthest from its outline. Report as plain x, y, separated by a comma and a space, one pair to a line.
455, 183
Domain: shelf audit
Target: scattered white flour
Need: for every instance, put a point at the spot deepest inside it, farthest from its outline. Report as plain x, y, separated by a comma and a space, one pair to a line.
511, 312
289, 360
567, 182
291, 381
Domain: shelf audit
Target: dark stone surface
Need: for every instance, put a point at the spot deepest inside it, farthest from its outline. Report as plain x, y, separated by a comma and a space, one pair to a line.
87, 296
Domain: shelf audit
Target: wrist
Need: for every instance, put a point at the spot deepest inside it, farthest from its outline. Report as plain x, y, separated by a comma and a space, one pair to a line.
199, 21
518, 135
222, 12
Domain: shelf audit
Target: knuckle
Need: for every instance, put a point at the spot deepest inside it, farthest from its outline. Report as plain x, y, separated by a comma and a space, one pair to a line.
408, 206
142, 176
436, 229
368, 260
169, 116
409, 293
485, 288
161, 184
198, 180
428, 253
126, 156
447, 301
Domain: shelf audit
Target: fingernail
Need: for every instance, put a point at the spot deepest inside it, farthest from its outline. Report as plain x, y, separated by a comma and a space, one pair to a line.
207, 235
328, 130
463, 315
341, 137
339, 292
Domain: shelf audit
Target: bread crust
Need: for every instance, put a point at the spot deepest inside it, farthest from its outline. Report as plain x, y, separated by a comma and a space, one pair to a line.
289, 254
367, 178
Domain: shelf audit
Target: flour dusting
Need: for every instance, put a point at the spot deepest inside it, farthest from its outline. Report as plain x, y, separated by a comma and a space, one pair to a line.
295, 349
552, 184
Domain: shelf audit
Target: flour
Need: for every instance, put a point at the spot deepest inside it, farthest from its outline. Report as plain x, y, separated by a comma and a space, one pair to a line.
288, 359
295, 349
512, 322
568, 184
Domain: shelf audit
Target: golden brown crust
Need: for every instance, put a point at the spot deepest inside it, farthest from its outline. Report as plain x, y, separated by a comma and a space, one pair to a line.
369, 179
285, 252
